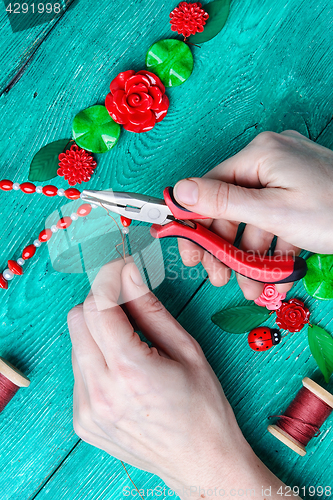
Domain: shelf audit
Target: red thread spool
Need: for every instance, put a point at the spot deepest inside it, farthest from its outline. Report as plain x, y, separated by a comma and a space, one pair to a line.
11, 379
304, 416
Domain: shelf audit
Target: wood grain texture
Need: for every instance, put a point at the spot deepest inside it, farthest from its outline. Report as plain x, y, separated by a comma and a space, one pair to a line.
269, 69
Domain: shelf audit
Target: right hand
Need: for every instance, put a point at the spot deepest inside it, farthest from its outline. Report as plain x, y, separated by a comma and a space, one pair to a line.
280, 184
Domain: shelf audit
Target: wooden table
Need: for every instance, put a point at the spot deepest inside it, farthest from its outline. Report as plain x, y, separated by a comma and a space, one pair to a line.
269, 69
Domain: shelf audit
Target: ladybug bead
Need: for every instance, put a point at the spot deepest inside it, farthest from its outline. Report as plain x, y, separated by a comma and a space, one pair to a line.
263, 338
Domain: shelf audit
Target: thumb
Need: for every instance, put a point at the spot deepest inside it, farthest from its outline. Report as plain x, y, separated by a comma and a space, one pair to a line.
221, 200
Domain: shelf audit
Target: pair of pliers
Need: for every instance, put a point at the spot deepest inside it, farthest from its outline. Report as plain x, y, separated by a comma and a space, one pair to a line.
169, 219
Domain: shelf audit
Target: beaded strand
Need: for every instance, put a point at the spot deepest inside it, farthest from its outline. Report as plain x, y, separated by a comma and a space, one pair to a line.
15, 267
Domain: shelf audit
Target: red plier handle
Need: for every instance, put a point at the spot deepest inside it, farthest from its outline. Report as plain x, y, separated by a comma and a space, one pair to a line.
264, 269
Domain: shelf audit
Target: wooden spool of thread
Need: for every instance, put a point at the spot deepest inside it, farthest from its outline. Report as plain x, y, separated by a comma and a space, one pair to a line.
11, 379
304, 416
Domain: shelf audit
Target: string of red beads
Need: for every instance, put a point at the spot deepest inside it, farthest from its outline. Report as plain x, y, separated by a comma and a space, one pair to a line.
15, 267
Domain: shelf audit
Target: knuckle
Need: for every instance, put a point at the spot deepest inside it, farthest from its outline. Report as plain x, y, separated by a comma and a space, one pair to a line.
75, 316
90, 306
193, 351
152, 304
267, 139
221, 199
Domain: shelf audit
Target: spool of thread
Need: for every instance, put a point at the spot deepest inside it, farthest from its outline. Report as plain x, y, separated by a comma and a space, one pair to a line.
11, 379
304, 416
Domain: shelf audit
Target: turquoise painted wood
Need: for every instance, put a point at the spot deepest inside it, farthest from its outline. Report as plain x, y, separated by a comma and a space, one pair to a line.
269, 69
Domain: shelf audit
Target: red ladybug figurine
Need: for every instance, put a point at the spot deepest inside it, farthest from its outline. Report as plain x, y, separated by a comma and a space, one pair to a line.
263, 338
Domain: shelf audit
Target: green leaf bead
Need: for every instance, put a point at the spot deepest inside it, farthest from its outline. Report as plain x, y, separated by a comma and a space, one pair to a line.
218, 14
321, 347
171, 60
240, 319
318, 281
45, 163
94, 130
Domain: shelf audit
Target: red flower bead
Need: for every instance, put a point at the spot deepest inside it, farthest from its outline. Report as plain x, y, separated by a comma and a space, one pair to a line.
3, 282
76, 165
188, 18
84, 210
6, 186
72, 194
28, 252
50, 190
64, 223
125, 221
292, 315
15, 268
45, 235
137, 100
28, 187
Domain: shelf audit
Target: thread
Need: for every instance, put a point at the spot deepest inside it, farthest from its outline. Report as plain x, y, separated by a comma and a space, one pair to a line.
305, 415
7, 391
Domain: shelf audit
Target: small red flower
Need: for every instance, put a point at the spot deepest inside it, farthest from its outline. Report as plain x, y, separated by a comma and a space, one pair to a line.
137, 100
292, 315
270, 298
188, 19
76, 165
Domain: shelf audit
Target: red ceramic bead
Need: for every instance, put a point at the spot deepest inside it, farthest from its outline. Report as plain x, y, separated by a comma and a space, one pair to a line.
64, 223
45, 235
50, 190
84, 210
15, 268
6, 186
125, 221
3, 282
72, 193
28, 187
28, 252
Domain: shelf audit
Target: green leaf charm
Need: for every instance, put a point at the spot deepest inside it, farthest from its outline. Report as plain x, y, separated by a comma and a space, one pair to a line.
240, 319
321, 347
171, 60
318, 281
94, 130
218, 14
45, 163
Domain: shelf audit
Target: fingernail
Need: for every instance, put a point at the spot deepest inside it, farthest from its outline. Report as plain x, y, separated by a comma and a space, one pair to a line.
187, 192
136, 276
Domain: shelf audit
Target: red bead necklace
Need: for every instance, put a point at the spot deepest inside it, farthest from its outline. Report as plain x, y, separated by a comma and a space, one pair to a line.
15, 267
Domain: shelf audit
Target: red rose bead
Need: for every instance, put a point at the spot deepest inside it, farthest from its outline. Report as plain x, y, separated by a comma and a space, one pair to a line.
137, 100
3, 282
15, 268
28, 187
6, 186
72, 193
45, 235
28, 252
50, 190
64, 223
292, 315
84, 210
125, 221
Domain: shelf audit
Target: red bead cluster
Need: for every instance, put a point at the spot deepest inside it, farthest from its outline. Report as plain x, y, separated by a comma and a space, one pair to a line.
29, 188
76, 165
188, 19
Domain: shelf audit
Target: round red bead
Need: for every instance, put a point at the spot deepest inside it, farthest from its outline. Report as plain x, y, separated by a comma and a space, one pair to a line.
45, 235
15, 268
28, 187
28, 252
64, 223
3, 282
125, 221
84, 210
72, 193
50, 190
6, 186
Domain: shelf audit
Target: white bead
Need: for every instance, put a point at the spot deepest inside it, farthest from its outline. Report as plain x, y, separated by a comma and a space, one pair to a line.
8, 275
16, 186
37, 243
61, 192
54, 229
21, 261
74, 216
125, 230
39, 189
93, 205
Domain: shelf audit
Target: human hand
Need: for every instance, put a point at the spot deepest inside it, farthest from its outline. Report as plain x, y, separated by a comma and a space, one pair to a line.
280, 184
158, 408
